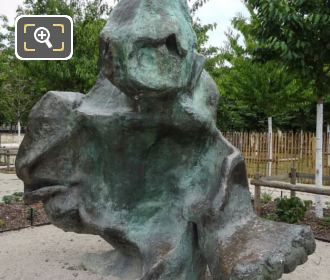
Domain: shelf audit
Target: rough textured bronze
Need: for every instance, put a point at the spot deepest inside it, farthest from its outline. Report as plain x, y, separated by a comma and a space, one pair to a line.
139, 161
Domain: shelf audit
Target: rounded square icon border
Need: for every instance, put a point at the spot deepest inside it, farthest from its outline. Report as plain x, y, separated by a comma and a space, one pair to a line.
33, 16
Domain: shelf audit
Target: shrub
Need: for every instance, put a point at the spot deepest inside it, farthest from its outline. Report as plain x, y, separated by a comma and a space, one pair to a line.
2, 223
18, 196
325, 221
15, 197
291, 210
308, 203
266, 198
271, 216
31, 214
8, 199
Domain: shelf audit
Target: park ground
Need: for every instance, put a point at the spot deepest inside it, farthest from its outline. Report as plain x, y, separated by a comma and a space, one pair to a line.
9, 183
48, 253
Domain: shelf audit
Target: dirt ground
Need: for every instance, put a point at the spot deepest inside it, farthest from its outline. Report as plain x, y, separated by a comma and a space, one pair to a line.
48, 253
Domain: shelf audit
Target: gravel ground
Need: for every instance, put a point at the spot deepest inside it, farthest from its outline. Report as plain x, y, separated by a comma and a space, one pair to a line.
48, 253
316, 268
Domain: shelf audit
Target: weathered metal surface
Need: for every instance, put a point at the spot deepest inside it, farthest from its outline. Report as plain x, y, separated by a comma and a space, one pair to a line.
140, 161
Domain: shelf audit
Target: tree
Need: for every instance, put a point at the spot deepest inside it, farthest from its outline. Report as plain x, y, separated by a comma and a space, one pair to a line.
17, 90
17, 98
6, 56
211, 53
80, 72
254, 91
297, 34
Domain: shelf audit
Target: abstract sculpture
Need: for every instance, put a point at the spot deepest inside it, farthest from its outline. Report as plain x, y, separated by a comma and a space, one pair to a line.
139, 161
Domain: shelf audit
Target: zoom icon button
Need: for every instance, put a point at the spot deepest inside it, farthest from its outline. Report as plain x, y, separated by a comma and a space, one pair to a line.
39, 35
44, 37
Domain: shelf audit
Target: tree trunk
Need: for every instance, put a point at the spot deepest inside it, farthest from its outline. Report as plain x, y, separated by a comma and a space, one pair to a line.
301, 144
19, 130
270, 146
328, 146
319, 161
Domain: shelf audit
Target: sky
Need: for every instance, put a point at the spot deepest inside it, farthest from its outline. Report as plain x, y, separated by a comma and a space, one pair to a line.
215, 11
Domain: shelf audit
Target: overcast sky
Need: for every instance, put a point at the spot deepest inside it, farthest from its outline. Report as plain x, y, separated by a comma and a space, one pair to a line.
215, 11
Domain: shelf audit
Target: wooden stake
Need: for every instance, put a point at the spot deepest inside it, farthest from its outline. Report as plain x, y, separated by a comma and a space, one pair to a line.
293, 179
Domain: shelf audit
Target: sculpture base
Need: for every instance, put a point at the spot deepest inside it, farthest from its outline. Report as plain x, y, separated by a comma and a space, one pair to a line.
113, 264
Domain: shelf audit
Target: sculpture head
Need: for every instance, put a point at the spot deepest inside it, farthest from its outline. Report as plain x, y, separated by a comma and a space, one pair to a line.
148, 46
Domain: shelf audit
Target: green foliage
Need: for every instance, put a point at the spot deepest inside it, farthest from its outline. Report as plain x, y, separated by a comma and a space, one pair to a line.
291, 210
15, 197
308, 203
271, 217
296, 33
31, 214
196, 4
252, 91
2, 223
80, 72
325, 221
22, 83
266, 198
8, 199
211, 53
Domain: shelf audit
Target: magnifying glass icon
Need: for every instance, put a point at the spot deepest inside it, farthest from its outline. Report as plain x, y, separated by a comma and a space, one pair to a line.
42, 35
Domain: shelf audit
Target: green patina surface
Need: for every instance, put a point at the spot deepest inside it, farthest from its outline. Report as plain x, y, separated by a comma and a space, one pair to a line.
139, 161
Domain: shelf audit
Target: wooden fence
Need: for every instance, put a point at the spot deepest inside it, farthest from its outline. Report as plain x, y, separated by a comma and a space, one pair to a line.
7, 159
290, 149
9, 143
292, 187
10, 138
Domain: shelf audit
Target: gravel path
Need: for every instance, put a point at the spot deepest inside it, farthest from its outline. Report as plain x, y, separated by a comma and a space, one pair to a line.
316, 268
48, 253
